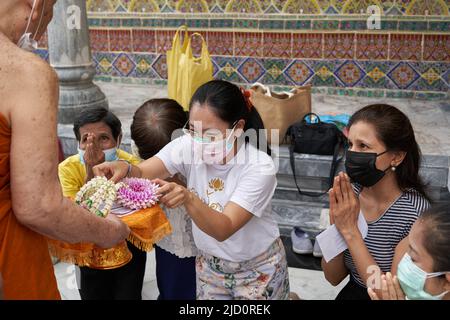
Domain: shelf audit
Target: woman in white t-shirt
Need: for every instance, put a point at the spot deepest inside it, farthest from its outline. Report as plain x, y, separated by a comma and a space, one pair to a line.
230, 184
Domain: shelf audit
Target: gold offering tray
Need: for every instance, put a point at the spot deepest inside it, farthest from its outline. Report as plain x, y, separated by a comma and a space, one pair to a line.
148, 226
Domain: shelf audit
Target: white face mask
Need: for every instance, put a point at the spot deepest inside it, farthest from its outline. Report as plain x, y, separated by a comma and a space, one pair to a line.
26, 41
214, 152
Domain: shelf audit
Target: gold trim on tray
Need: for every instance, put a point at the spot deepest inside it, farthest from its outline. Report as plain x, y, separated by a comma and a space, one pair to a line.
106, 259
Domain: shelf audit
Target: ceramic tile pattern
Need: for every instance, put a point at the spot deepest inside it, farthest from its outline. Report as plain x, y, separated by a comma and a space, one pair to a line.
282, 42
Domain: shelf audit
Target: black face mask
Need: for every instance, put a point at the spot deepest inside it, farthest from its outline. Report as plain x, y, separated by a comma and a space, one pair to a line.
361, 168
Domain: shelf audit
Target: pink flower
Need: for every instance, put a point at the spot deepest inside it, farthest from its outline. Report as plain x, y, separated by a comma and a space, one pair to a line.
137, 193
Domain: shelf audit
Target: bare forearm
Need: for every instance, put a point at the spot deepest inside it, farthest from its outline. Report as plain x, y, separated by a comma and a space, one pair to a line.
367, 267
136, 172
335, 270
64, 220
79, 225
152, 168
141, 171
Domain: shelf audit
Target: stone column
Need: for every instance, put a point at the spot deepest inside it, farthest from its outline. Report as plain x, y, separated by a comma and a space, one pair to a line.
70, 55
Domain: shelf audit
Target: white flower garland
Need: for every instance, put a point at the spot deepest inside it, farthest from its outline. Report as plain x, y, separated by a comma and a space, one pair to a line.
98, 196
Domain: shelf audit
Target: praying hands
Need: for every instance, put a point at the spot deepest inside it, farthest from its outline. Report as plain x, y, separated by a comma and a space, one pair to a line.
344, 206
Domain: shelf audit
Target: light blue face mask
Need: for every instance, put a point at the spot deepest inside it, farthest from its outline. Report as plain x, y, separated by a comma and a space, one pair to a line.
412, 280
110, 155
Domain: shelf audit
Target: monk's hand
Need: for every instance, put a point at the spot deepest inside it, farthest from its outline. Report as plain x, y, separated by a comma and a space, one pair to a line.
114, 171
344, 206
119, 232
93, 154
171, 194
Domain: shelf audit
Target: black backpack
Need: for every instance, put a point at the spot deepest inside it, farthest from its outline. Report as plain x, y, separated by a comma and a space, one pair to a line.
316, 138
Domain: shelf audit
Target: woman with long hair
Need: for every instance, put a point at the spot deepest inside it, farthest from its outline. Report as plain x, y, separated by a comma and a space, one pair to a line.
383, 163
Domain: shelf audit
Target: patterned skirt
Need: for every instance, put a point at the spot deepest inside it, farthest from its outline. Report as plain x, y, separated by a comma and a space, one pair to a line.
264, 277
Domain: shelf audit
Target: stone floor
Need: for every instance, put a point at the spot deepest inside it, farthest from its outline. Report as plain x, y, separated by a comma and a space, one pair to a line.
308, 284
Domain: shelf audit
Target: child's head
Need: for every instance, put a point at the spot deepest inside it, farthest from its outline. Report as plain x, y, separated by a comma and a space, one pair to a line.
429, 250
153, 125
435, 224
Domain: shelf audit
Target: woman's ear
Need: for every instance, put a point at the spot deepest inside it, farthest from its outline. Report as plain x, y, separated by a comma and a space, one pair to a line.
447, 283
119, 140
240, 127
399, 156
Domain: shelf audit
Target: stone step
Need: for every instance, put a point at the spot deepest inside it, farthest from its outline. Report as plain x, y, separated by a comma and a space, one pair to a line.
286, 189
434, 169
313, 173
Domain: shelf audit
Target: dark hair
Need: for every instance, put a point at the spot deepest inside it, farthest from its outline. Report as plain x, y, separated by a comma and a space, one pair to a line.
437, 235
153, 125
394, 129
98, 114
230, 105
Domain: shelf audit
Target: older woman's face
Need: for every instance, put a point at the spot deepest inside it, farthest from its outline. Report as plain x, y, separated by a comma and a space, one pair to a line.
103, 135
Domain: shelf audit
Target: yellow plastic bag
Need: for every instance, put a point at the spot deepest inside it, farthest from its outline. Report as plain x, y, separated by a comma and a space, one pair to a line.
187, 72
173, 57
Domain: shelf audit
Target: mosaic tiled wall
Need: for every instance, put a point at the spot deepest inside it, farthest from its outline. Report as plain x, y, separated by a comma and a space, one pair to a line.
283, 43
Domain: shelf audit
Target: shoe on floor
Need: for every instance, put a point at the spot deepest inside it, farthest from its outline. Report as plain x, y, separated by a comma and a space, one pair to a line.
316, 251
301, 243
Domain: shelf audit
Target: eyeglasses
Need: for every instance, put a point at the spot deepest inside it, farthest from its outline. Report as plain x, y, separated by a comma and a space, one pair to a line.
209, 136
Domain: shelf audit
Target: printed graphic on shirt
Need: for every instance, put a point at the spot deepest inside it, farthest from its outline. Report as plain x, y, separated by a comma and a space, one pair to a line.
215, 186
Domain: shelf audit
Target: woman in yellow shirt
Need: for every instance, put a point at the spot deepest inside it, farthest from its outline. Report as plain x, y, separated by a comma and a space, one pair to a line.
99, 134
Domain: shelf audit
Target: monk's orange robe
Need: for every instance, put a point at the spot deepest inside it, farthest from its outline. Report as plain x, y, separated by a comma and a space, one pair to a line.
25, 263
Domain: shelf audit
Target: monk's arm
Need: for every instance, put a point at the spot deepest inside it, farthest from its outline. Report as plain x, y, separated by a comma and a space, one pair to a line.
37, 199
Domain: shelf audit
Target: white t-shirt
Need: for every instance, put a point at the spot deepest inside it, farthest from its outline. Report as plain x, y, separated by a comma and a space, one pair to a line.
248, 180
